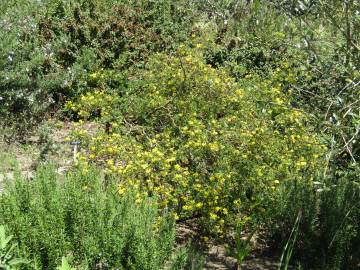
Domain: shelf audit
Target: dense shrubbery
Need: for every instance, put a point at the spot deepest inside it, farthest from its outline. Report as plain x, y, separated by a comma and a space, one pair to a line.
205, 144
78, 216
228, 111
319, 42
52, 46
329, 222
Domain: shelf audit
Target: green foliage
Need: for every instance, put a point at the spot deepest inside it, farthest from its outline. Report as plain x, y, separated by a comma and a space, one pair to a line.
79, 216
242, 246
65, 265
188, 257
317, 41
8, 260
339, 220
256, 38
49, 47
289, 247
330, 220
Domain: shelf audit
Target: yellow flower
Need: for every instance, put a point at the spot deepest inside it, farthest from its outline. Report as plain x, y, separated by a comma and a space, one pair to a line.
110, 162
121, 190
178, 176
301, 164
205, 238
138, 200
176, 216
187, 207
213, 216
199, 205
279, 101
214, 147
237, 202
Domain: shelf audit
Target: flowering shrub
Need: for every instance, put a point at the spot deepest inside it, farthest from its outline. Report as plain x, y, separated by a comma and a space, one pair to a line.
206, 145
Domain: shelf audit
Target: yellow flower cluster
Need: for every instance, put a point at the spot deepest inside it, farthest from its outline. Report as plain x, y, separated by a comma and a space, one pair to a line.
197, 139
97, 103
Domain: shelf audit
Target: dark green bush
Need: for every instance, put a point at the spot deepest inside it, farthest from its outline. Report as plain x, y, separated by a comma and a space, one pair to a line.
329, 231
78, 216
50, 47
339, 221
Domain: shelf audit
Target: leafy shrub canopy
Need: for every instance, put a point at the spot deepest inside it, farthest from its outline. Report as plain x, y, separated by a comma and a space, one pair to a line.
204, 143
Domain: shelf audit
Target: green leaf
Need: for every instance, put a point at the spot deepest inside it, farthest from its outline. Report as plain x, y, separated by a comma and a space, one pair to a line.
65, 265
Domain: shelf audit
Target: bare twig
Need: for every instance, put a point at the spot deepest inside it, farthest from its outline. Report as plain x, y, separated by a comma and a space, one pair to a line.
348, 149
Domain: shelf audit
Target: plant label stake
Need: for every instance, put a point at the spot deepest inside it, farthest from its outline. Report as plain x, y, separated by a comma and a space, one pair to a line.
75, 145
